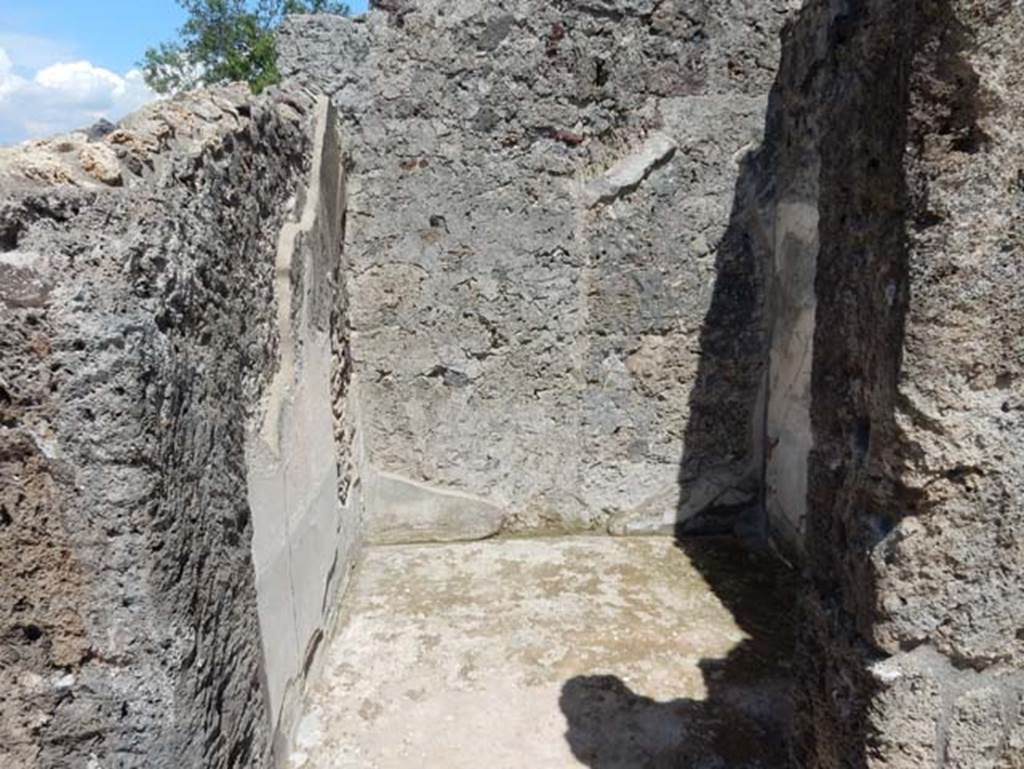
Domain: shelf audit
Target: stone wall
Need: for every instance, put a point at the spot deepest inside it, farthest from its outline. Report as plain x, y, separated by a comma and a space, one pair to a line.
899, 126
142, 322
556, 304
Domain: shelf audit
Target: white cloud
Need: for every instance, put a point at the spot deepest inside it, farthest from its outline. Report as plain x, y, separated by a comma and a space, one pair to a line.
63, 97
8, 80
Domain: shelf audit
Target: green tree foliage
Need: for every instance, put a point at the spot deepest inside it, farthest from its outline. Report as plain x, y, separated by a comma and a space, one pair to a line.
225, 40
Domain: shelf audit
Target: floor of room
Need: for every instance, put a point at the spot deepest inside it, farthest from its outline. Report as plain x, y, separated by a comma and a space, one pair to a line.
550, 653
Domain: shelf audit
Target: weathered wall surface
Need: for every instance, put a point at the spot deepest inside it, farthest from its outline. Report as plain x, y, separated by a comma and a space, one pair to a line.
138, 327
553, 302
912, 649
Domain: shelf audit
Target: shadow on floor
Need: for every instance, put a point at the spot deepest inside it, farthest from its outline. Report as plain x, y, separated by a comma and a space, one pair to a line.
744, 720
742, 723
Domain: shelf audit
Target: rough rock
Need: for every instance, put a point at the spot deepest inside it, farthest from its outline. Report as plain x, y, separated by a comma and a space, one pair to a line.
100, 161
625, 175
138, 331
900, 126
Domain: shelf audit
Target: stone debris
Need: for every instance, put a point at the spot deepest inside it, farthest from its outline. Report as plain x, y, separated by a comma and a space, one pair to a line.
106, 155
100, 161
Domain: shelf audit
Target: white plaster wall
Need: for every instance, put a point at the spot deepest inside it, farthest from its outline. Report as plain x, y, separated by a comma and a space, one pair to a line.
788, 436
303, 541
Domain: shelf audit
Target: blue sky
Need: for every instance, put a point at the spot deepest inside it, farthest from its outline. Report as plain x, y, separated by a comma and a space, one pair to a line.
66, 63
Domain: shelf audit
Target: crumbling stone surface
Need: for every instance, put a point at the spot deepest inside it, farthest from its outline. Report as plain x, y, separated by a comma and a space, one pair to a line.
543, 216
136, 323
961, 379
912, 651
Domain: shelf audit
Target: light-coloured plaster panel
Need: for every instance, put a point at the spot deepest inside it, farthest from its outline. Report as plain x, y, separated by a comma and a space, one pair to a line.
788, 421
301, 547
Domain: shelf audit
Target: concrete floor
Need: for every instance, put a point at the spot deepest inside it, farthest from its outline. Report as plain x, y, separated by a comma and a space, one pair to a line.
551, 653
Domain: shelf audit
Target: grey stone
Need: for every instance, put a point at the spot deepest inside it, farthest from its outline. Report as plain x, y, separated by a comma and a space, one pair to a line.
1013, 748
303, 540
976, 730
139, 330
628, 172
913, 518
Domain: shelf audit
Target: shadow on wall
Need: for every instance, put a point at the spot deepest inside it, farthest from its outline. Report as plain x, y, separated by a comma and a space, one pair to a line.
744, 721
892, 72
720, 472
